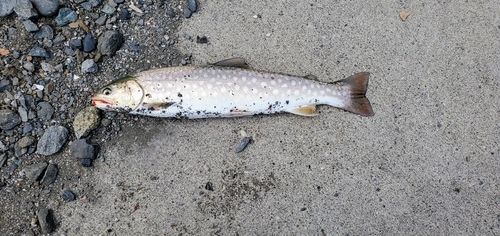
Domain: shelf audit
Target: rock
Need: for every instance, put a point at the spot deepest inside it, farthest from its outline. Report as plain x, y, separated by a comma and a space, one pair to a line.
124, 14
119, 1
25, 141
187, 12
68, 196
34, 171
66, 16
30, 26
89, 43
29, 66
75, 43
50, 175
46, 220
171, 13
7, 7
86, 5
52, 140
27, 127
46, 7
23, 114
243, 144
82, 149
16, 54
85, 121
89, 66
86, 162
105, 122
192, 5
24, 10
38, 52
9, 119
110, 42
46, 67
45, 32
101, 20
45, 111
108, 9
5, 85
95, 3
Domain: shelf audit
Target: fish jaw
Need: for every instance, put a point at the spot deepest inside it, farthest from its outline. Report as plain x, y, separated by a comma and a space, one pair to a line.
101, 103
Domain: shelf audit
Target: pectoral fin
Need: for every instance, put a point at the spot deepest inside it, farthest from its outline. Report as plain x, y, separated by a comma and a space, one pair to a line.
304, 110
233, 62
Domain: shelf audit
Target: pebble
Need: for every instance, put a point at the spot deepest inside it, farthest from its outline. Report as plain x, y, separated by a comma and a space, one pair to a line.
75, 43
101, 20
89, 66
5, 84
192, 5
30, 26
23, 114
69, 51
24, 10
187, 12
86, 162
108, 9
171, 13
202, 39
46, 220
124, 14
50, 175
37, 51
86, 5
16, 54
243, 144
33, 172
29, 66
85, 121
47, 7
7, 7
25, 141
45, 111
9, 119
95, 3
66, 16
110, 42
105, 122
52, 140
46, 66
89, 43
45, 32
27, 127
68, 196
82, 149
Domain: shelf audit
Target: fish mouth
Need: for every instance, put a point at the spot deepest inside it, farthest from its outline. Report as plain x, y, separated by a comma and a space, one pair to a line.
100, 102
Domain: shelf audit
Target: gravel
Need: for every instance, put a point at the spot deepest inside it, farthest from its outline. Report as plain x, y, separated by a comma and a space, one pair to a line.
24, 10
45, 111
68, 196
7, 7
81, 149
50, 175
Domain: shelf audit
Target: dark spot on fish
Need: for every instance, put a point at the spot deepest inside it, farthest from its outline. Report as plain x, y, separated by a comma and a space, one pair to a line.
179, 95
276, 103
272, 77
215, 106
181, 101
148, 95
287, 102
166, 98
260, 97
270, 107
198, 112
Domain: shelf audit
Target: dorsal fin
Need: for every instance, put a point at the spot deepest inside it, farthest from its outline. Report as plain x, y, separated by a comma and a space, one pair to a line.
233, 62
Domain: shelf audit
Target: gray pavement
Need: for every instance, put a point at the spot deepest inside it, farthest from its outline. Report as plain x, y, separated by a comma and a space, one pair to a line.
427, 163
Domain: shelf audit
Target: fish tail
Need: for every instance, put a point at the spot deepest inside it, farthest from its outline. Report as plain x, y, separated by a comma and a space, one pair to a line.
357, 102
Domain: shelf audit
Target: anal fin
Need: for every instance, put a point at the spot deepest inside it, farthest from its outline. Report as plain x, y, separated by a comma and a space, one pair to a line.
309, 110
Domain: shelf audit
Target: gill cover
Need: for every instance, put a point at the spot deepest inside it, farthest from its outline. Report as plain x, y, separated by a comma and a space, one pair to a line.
122, 94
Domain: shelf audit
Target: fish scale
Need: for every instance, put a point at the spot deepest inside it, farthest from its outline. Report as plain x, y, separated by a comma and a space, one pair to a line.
222, 91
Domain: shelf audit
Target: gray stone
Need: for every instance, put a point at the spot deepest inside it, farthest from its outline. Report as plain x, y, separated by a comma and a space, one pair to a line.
37, 51
47, 7
25, 141
27, 127
110, 42
59, 38
95, 3
68, 195
46, 66
9, 119
24, 10
16, 54
171, 13
89, 66
23, 114
82, 149
187, 12
45, 32
5, 84
101, 20
86, 5
50, 175
108, 9
192, 5
75, 43
45, 111
46, 220
34, 171
89, 43
69, 51
52, 140
66, 16
30, 26
29, 66
7, 7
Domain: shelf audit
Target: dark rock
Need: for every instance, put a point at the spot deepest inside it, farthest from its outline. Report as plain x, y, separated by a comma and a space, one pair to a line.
171, 13
5, 85
89, 66
192, 5
47, 7
202, 39
9, 119
86, 162
110, 42
78, 1
24, 10
68, 196
66, 16
46, 220
69, 51
50, 175
243, 144
7, 7
95, 3
30, 26
119, 1
187, 12
52, 140
33, 172
27, 127
124, 14
45, 32
101, 20
89, 43
45, 112
81, 149
108, 9
75, 43
86, 5
38, 52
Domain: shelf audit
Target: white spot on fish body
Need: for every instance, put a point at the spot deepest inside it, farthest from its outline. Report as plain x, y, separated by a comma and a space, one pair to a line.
315, 93
280, 80
273, 82
218, 83
243, 78
245, 89
328, 90
223, 89
322, 92
304, 87
204, 94
296, 92
254, 80
293, 83
308, 92
289, 91
275, 91
224, 76
195, 86
205, 75
237, 87
284, 85
263, 84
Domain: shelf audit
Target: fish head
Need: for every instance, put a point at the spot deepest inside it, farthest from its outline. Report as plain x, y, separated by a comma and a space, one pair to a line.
121, 95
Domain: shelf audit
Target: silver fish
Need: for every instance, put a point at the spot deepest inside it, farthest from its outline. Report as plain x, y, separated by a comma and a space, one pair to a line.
229, 89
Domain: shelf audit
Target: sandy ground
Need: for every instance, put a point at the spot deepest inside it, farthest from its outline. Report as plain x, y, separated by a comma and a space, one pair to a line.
426, 163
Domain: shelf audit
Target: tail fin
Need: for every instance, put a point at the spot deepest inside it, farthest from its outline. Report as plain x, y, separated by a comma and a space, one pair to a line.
357, 102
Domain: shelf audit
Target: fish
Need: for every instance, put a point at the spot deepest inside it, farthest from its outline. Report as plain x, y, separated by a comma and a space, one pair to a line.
229, 88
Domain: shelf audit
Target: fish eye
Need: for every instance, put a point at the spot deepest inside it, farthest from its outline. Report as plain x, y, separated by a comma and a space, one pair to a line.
106, 91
